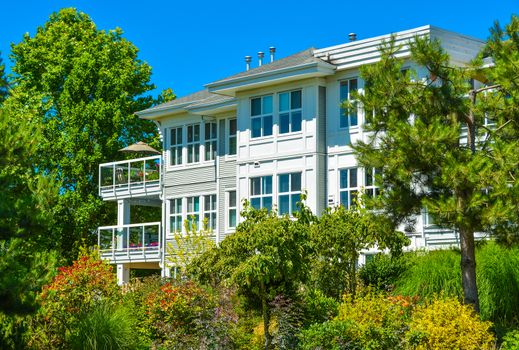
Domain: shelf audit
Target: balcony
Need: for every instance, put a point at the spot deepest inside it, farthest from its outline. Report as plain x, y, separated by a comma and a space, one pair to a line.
139, 177
130, 243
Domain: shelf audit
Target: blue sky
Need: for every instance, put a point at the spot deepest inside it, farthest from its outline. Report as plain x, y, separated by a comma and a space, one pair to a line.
190, 43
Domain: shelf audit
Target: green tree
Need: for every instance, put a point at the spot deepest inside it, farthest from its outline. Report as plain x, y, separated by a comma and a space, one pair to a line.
467, 183
4, 84
338, 237
83, 86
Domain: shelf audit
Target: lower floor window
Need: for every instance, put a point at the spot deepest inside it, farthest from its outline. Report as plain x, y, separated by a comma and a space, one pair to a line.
261, 192
289, 189
210, 211
348, 187
232, 209
193, 213
175, 215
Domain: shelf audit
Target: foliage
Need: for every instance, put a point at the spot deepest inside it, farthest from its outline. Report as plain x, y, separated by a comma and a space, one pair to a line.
105, 327
447, 324
288, 316
338, 237
330, 335
188, 245
4, 84
75, 291
318, 307
81, 87
383, 271
511, 340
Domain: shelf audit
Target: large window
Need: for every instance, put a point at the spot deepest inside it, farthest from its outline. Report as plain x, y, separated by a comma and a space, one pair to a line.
175, 215
193, 212
348, 186
348, 116
261, 192
175, 146
261, 116
233, 139
210, 211
290, 112
231, 209
193, 143
210, 141
370, 185
289, 188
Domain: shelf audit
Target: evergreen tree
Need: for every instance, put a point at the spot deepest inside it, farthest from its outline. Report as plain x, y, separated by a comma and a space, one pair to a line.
445, 145
4, 85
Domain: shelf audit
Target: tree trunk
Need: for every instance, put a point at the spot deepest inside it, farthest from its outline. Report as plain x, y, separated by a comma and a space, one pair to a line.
468, 268
266, 318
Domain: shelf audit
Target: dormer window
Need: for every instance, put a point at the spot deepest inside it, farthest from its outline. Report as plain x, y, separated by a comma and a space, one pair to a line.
261, 116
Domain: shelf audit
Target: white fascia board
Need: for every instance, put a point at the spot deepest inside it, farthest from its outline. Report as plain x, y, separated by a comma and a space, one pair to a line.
313, 69
204, 109
160, 112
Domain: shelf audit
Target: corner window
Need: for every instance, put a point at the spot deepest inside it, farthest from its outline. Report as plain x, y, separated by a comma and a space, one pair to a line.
175, 215
175, 146
290, 114
210, 211
232, 209
261, 192
233, 139
210, 141
193, 213
348, 116
193, 143
289, 189
261, 116
348, 187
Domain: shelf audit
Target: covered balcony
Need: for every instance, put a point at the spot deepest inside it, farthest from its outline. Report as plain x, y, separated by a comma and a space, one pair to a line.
130, 243
130, 178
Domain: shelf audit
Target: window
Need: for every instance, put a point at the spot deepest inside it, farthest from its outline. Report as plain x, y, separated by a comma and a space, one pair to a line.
232, 209
210, 211
261, 116
290, 112
175, 215
348, 116
193, 210
193, 143
233, 139
289, 188
210, 141
348, 187
371, 188
261, 192
175, 146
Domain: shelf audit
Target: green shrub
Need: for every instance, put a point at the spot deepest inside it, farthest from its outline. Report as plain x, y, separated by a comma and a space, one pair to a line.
447, 324
511, 340
383, 271
330, 335
318, 307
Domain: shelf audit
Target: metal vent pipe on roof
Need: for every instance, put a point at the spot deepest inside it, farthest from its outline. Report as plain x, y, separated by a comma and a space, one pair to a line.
261, 54
248, 60
272, 50
352, 36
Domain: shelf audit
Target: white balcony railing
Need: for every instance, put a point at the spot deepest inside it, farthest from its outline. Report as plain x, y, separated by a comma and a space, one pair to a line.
133, 177
137, 242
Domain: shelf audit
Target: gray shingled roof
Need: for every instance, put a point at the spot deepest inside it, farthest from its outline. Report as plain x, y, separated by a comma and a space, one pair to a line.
300, 58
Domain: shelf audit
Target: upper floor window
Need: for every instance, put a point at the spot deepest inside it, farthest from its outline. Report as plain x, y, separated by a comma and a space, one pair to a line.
210, 211
348, 187
175, 146
175, 215
370, 185
348, 116
193, 143
193, 212
233, 133
210, 141
231, 209
289, 192
261, 192
261, 116
290, 111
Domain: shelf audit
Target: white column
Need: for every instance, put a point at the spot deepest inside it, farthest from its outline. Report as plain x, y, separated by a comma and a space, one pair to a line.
123, 218
166, 272
123, 274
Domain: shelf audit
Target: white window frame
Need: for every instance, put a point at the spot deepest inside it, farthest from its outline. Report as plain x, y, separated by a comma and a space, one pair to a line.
176, 215
211, 212
351, 191
262, 192
210, 141
290, 192
193, 144
290, 112
231, 137
176, 149
347, 118
371, 189
231, 208
191, 213
262, 116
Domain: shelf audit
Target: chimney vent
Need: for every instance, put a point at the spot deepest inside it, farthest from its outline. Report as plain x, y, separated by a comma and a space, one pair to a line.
352, 36
261, 54
248, 60
272, 50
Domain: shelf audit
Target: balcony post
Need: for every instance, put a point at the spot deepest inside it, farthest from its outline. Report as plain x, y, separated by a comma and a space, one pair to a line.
123, 218
123, 274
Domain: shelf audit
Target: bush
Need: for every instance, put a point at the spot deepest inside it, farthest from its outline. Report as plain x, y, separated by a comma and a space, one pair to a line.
511, 340
383, 271
330, 335
318, 307
447, 324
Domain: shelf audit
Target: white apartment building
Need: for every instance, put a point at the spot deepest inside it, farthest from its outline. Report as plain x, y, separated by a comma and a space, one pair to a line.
265, 134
